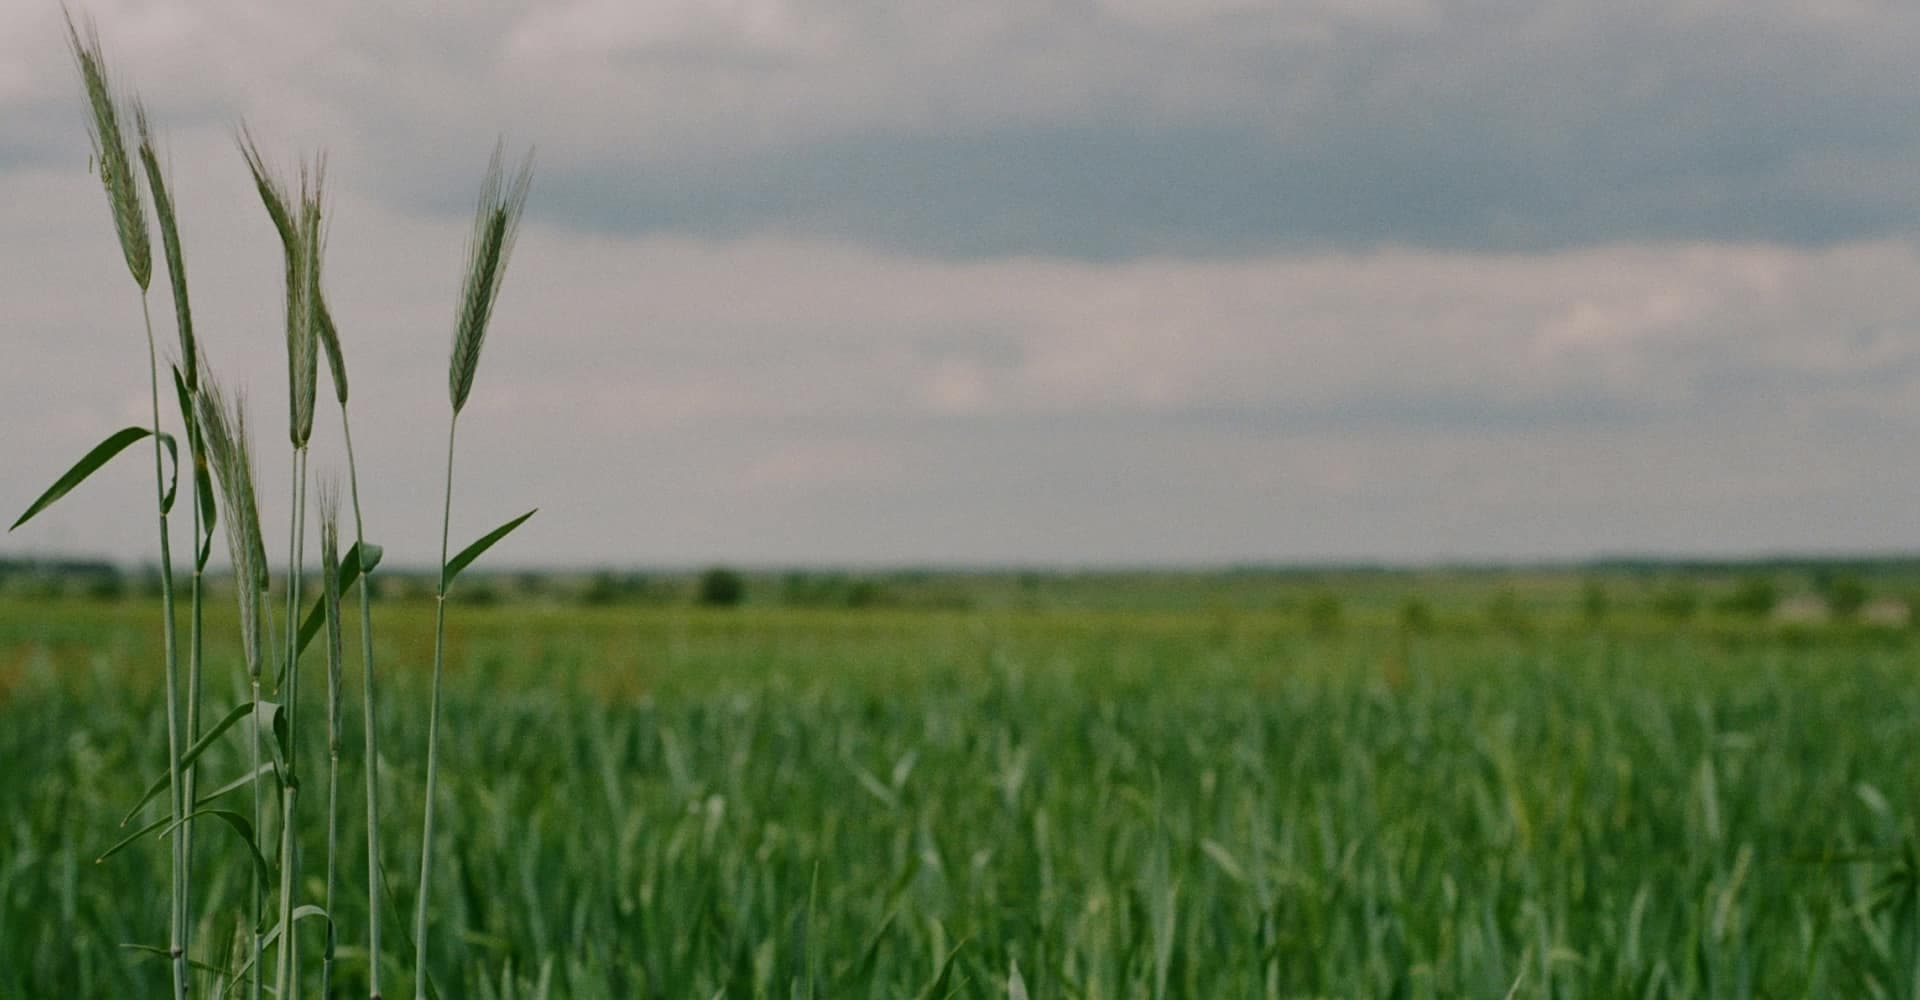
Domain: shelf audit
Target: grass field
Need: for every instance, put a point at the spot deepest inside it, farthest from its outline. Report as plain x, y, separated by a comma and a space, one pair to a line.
678, 803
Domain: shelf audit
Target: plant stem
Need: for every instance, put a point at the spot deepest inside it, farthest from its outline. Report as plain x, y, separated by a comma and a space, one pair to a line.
333, 826
190, 780
433, 731
259, 815
372, 730
285, 986
330, 591
177, 917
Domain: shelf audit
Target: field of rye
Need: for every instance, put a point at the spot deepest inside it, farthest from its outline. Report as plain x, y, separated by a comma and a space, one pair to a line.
676, 802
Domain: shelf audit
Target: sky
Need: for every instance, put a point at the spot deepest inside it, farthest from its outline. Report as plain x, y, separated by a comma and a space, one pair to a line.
1041, 282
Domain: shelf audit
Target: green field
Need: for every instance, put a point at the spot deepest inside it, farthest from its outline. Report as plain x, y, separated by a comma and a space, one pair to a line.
1230, 800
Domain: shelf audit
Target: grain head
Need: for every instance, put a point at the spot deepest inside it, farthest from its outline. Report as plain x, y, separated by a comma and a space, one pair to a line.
110, 150
170, 243
230, 452
496, 222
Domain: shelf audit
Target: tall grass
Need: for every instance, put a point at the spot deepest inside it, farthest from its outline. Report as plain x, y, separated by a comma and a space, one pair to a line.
362, 559
122, 186
186, 373
495, 225
230, 452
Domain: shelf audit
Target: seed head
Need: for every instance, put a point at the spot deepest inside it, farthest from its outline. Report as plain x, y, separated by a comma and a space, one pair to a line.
110, 150
495, 224
170, 242
230, 452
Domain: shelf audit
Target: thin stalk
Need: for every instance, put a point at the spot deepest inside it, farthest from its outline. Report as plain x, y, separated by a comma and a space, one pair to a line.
225, 428
330, 591
259, 816
177, 919
333, 829
190, 779
290, 783
433, 731
372, 730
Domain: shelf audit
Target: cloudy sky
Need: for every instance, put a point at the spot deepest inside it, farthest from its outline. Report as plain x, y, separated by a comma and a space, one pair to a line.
1036, 281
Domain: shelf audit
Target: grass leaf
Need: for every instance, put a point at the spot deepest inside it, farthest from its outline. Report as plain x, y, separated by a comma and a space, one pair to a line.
241, 826
87, 466
192, 754
479, 548
938, 987
170, 243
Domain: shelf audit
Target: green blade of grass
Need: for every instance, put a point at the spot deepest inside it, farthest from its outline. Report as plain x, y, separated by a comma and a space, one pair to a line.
101, 454
486, 541
239, 824
192, 754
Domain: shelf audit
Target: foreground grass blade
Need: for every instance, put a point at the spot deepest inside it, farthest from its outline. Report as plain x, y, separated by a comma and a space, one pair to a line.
938, 989
155, 951
241, 827
486, 541
101, 454
192, 754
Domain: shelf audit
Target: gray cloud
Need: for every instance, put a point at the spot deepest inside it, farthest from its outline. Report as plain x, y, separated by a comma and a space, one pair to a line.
777, 399
1091, 129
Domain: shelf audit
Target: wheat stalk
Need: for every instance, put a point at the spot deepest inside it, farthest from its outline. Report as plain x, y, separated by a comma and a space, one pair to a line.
302, 369
230, 452
336, 361
187, 372
330, 594
496, 221
122, 188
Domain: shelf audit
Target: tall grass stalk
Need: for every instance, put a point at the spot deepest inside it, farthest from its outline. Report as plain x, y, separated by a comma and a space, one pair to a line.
496, 223
122, 188
337, 365
330, 595
302, 364
230, 453
200, 497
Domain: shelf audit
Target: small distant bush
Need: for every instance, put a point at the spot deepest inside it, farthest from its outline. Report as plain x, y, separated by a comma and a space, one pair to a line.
1324, 614
106, 587
721, 587
1416, 615
1845, 596
1507, 613
1677, 601
1594, 602
1754, 597
602, 589
481, 593
865, 594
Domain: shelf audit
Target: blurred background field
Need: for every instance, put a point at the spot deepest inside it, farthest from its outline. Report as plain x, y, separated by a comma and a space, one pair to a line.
1611, 780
